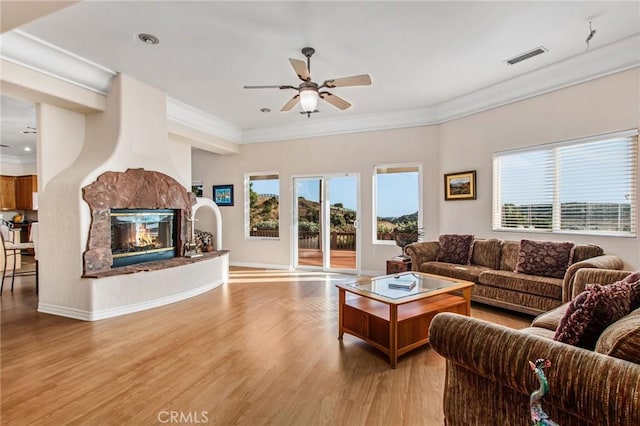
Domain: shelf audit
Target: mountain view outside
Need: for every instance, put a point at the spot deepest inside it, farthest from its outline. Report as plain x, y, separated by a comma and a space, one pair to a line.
590, 185
264, 206
396, 206
397, 198
342, 212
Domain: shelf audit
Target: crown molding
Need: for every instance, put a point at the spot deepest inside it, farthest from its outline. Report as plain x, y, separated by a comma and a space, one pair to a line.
21, 48
12, 159
596, 63
31, 52
192, 117
343, 125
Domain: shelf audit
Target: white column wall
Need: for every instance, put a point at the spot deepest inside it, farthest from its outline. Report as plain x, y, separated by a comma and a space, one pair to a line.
60, 140
180, 154
131, 133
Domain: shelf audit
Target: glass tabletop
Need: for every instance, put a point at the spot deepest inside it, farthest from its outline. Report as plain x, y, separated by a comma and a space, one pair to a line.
403, 285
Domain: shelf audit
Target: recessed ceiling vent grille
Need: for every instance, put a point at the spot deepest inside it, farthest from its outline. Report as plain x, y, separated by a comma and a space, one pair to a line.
526, 55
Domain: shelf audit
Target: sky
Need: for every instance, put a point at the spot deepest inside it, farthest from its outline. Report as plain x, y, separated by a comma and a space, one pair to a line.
397, 193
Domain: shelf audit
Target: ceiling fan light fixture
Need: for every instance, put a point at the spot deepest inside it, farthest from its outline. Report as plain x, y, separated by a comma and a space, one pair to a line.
308, 99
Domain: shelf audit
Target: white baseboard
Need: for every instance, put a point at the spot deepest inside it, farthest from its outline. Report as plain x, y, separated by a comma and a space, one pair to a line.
64, 311
260, 265
289, 268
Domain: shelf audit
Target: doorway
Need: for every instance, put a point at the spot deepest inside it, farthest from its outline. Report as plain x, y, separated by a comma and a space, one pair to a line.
325, 226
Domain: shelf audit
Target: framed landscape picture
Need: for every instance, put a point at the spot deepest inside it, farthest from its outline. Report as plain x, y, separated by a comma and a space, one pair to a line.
223, 195
460, 186
197, 189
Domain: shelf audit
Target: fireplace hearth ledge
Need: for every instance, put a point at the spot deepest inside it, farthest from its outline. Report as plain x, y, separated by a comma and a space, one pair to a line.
210, 278
154, 266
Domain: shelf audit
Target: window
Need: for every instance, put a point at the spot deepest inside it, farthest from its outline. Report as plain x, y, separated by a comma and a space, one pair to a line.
585, 186
262, 205
397, 200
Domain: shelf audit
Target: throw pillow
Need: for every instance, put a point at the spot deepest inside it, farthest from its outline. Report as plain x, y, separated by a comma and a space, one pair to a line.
455, 248
544, 258
591, 312
634, 281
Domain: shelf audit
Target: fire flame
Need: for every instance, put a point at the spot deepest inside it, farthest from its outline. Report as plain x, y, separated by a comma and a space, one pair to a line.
143, 235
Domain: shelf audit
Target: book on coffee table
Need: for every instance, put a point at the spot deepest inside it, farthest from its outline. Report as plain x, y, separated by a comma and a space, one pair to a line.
402, 284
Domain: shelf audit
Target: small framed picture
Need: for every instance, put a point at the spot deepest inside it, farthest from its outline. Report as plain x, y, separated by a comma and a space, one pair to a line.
460, 186
223, 195
197, 188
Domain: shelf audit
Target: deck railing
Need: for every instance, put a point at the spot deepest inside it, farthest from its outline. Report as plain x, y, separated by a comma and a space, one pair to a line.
338, 240
311, 239
268, 233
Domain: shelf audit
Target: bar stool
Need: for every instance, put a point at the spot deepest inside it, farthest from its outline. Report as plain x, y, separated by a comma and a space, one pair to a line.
11, 248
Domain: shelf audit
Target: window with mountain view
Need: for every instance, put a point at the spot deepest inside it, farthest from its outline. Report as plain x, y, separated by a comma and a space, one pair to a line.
262, 218
397, 200
585, 186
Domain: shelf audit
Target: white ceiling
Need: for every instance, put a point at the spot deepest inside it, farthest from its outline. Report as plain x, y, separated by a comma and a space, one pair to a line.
17, 116
419, 54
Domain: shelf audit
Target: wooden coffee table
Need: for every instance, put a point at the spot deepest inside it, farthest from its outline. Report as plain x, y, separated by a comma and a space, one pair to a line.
397, 321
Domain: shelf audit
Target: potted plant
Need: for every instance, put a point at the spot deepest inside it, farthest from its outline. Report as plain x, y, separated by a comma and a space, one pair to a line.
406, 233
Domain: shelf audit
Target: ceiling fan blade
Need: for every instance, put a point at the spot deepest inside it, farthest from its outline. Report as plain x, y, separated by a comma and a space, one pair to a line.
355, 80
300, 67
291, 103
275, 86
334, 100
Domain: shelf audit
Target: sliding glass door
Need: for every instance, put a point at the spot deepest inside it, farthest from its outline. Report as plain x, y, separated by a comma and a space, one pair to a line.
326, 230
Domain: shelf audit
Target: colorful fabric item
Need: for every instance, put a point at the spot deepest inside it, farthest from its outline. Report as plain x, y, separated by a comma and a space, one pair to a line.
634, 281
544, 258
591, 312
455, 248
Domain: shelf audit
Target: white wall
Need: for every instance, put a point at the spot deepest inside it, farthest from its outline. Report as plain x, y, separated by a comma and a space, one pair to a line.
130, 133
180, 154
354, 153
604, 105
61, 144
10, 169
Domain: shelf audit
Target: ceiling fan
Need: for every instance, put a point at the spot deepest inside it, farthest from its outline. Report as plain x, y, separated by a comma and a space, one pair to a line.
309, 91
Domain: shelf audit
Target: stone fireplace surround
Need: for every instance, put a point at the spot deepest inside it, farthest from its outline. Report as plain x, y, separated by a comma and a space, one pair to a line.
132, 189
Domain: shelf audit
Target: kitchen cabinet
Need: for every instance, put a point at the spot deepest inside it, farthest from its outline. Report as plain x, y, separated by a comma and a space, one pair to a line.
7, 192
25, 187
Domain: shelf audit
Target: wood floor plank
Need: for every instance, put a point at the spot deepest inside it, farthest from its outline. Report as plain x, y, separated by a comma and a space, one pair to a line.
260, 349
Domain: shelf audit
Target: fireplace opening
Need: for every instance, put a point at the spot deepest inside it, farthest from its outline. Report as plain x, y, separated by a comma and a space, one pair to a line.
142, 235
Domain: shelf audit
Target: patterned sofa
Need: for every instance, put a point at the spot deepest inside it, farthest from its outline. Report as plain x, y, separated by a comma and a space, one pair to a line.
491, 267
488, 379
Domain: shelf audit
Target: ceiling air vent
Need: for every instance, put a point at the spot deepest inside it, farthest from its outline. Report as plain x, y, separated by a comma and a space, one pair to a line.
526, 55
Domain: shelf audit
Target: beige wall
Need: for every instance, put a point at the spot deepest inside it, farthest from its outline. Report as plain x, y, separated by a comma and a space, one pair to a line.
352, 153
61, 144
9, 169
604, 105
131, 133
180, 154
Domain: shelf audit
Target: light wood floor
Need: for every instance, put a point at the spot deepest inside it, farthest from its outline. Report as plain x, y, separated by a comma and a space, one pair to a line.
261, 349
340, 259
